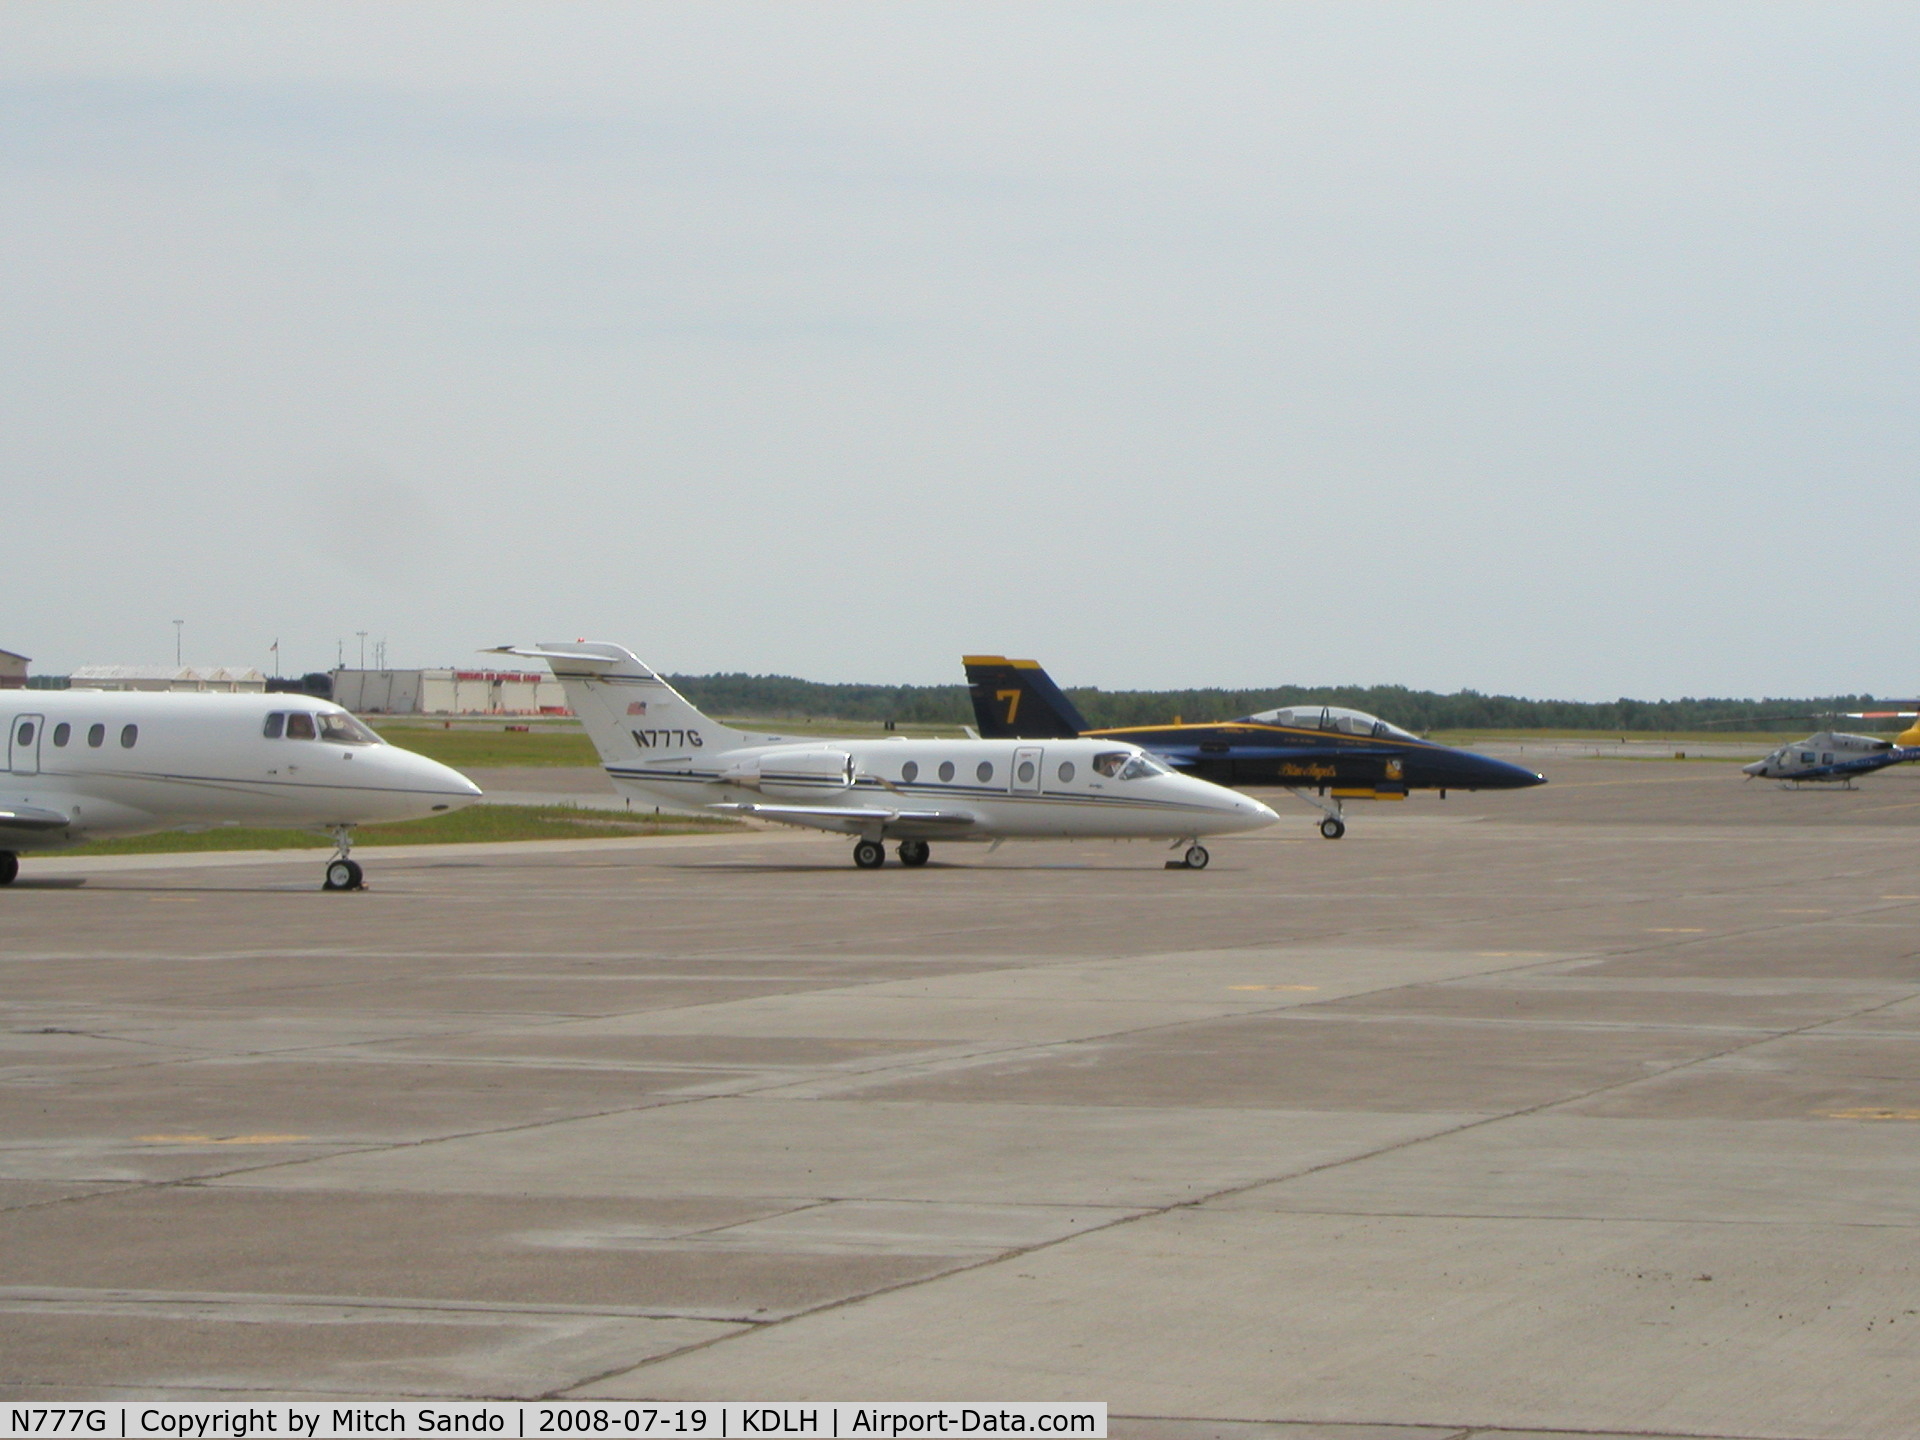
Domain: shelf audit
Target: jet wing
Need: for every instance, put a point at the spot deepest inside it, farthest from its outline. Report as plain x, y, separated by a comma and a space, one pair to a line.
28, 817
850, 818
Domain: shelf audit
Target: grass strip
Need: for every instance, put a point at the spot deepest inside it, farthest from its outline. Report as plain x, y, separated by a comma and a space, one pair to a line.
477, 823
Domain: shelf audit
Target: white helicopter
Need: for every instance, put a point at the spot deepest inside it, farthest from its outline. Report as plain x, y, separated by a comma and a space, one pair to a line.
95, 764
1833, 757
657, 746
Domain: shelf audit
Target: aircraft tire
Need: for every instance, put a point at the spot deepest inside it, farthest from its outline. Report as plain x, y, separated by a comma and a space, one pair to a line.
869, 854
343, 875
915, 852
9, 867
1333, 828
1197, 857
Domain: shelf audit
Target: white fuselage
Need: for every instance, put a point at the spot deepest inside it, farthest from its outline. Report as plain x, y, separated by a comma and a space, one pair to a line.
1007, 789
87, 764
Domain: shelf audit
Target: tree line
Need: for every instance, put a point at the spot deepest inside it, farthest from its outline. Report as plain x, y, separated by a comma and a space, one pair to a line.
773, 696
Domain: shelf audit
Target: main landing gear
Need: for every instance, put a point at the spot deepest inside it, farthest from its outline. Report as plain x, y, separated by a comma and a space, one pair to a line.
871, 854
9, 867
342, 873
1333, 827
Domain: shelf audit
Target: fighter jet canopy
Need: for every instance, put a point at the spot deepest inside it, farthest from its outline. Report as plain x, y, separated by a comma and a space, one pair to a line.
1330, 717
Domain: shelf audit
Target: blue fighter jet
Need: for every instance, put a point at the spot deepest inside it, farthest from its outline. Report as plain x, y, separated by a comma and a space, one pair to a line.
1324, 754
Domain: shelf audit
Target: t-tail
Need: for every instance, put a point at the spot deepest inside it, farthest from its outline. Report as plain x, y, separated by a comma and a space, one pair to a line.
1017, 700
628, 710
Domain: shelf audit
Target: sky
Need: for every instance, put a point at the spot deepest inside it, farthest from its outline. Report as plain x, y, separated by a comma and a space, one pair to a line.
1557, 350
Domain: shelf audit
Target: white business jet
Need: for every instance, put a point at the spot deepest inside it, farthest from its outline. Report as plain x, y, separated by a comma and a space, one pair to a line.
93, 764
656, 746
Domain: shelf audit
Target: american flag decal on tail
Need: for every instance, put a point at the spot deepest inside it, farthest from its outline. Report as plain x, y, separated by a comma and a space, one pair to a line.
637, 707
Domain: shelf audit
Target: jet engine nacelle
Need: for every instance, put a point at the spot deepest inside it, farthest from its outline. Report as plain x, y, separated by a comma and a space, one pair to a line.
793, 772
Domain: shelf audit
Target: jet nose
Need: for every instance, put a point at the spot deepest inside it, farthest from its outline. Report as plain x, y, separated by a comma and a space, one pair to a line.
1251, 814
442, 781
1464, 770
1506, 776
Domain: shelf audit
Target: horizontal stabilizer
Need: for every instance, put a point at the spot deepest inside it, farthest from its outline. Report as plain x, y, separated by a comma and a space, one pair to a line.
584, 656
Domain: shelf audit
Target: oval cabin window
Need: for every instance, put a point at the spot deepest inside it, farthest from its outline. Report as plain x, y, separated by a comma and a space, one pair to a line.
1066, 771
985, 772
946, 769
62, 733
129, 736
96, 735
1026, 772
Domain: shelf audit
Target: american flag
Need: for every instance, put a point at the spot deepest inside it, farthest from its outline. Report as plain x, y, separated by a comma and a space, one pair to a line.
638, 707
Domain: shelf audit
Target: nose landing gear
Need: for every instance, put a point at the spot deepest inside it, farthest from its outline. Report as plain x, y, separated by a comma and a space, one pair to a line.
1196, 857
342, 873
1335, 825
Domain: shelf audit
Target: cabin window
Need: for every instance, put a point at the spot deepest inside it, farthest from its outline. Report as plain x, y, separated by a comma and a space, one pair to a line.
299, 725
1110, 764
1806, 757
129, 736
984, 771
62, 733
275, 726
1066, 771
96, 735
909, 772
342, 729
1026, 772
24, 736
946, 769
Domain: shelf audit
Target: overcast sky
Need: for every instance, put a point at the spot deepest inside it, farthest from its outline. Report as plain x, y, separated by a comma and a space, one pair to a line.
1554, 349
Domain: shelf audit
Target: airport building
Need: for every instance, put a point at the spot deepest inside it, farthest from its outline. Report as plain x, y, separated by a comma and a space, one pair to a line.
13, 670
243, 679
448, 692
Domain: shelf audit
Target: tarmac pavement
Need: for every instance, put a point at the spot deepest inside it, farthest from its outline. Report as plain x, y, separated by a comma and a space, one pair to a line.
1592, 1110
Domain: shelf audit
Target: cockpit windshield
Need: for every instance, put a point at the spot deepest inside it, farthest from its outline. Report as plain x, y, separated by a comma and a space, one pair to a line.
342, 729
1127, 765
1336, 718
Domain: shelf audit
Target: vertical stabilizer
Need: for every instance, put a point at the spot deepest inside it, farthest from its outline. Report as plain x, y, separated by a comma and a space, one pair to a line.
629, 711
1017, 700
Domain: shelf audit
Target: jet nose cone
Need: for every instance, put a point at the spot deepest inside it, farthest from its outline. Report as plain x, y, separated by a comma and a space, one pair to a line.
1464, 770
445, 781
1514, 777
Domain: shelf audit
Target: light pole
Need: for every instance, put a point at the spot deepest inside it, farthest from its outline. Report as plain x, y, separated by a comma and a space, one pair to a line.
176, 642
363, 648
